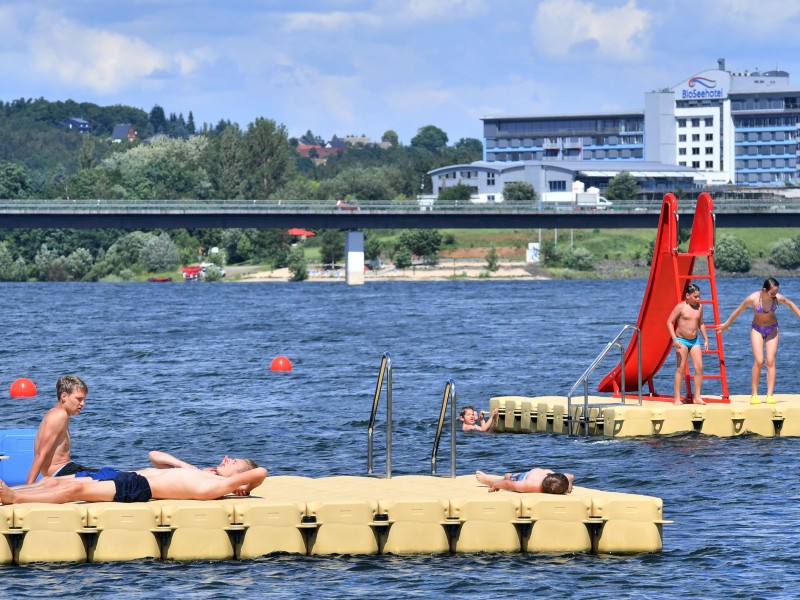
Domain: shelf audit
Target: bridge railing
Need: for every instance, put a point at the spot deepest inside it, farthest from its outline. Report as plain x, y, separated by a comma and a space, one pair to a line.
722, 204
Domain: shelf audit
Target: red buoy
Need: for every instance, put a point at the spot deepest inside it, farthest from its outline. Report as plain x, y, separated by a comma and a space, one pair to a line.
23, 388
280, 363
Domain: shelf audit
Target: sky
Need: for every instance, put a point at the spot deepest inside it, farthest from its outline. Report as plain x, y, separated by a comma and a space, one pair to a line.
362, 67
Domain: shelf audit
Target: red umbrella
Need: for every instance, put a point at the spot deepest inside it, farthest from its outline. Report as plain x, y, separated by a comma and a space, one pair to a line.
301, 232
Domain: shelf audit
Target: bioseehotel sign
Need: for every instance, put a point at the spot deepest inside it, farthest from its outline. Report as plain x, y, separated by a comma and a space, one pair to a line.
708, 85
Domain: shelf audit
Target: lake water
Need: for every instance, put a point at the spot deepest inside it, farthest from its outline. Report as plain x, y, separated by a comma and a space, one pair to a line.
185, 369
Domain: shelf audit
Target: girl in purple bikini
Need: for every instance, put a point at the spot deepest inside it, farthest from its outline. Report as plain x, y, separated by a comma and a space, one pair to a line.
763, 333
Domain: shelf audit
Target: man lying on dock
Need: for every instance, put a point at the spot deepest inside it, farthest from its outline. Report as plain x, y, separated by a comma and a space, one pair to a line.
541, 481
143, 485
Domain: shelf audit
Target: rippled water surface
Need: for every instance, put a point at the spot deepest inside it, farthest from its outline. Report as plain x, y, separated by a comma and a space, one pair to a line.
185, 369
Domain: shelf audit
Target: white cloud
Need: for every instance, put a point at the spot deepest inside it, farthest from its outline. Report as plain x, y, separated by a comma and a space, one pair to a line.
576, 29
762, 17
84, 56
332, 21
452, 9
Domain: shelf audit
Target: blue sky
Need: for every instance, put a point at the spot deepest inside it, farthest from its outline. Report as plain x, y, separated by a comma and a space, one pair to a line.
365, 66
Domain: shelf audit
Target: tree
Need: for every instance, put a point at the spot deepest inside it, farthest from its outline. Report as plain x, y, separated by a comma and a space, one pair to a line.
456, 192
492, 260
424, 243
731, 255
331, 246
430, 138
519, 192
297, 264
621, 187
390, 136
159, 253
80, 263
158, 120
372, 247
267, 160
402, 258
15, 183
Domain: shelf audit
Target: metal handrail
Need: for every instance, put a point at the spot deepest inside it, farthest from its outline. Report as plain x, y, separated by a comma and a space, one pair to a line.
584, 378
385, 372
449, 396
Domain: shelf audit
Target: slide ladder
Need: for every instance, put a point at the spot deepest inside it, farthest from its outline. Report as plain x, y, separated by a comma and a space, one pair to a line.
670, 272
701, 245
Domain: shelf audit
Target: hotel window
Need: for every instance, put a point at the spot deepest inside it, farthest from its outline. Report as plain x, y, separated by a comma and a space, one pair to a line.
682, 137
681, 122
709, 164
558, 186
695, 164
709, 137
682, 163
709, 150
682, 151
695, 151
709, 122
490, 179
695, 122
695, 137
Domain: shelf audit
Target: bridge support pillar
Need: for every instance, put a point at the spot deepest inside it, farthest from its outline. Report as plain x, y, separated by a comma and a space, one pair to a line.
354, 258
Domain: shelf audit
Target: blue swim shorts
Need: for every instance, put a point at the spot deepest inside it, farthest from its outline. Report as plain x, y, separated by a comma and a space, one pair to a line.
104, 474
518, 476
689, 343
131, 487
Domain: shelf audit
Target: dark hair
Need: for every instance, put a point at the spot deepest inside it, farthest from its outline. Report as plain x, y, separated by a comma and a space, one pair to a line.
465, 409
771, 282
691, 288
68, 384
555, 483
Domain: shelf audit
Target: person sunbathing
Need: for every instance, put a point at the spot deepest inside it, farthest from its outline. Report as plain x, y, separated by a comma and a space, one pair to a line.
143, 485
536, 480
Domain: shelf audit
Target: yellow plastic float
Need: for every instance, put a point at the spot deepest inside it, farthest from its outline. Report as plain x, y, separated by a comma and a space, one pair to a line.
335, 515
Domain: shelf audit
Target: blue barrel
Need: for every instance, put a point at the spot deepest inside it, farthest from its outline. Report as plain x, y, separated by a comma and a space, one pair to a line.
17, 445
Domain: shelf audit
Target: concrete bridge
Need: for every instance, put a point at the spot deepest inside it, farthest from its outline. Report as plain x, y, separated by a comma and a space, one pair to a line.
151, 214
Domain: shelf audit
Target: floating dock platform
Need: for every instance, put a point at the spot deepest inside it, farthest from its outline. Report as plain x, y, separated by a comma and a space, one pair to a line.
612, 418
335, 515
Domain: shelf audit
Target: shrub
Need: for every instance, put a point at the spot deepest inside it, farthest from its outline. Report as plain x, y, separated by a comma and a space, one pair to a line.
731, 255
784, 254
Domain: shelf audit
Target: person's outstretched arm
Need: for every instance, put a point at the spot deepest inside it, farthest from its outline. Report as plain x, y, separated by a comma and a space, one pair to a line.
162, 460
729, 321
790, 304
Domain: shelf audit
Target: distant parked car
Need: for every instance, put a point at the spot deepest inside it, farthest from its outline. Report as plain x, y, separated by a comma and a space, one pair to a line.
342, 205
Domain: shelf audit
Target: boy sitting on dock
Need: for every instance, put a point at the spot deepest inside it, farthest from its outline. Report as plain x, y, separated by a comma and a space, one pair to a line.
542, 481
474, 421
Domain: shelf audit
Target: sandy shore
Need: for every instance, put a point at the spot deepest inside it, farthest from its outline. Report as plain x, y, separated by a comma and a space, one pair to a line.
446, 269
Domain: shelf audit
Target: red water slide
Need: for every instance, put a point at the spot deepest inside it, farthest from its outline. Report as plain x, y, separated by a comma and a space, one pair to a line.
670, 271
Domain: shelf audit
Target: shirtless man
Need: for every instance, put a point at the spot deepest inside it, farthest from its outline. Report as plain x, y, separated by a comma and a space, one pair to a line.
542, 481
683, 324
143, 485
51, 446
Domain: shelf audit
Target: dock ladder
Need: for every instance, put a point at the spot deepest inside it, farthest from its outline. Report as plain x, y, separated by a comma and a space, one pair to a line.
384, 374
584, 419
449, 396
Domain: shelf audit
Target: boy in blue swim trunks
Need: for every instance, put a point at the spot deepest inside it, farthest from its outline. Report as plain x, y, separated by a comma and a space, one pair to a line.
141, 486
543, 481
684, 323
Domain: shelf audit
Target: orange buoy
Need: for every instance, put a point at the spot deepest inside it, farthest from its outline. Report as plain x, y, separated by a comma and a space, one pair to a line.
22, 388
280, 363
